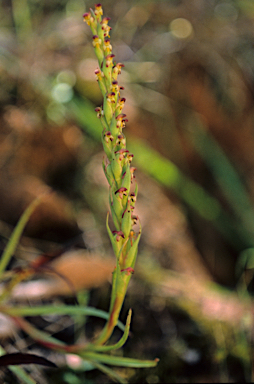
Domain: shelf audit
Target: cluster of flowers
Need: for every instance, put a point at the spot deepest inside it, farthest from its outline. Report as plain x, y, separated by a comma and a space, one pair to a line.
117, 165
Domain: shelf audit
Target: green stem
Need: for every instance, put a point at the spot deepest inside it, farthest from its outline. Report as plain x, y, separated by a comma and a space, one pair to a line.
116, 305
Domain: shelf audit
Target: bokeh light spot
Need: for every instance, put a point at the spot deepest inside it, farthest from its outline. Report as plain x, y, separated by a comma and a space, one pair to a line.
181, 28
62, 92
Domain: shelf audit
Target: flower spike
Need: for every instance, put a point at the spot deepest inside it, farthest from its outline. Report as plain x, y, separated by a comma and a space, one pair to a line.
119, 173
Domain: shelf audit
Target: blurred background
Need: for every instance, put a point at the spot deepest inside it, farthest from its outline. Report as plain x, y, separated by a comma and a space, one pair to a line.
189, 84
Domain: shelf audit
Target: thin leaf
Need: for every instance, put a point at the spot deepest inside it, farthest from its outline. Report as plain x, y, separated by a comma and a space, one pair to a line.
224, 173
69, 310
83, 111
40, 336
169, 175
119, 361
120, 343
21, 374
16, 234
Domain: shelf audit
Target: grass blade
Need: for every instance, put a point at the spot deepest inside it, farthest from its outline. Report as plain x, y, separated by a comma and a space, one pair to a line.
16, 234
119, 361
70, 310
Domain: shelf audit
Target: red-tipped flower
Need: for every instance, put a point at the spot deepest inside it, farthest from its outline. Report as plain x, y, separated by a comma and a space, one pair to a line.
122, 192
119, 235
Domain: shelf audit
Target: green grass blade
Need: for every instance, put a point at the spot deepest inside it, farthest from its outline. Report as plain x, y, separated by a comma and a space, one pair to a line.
16, 234
119, 361
83, 110
38, 335
70, 310
225, 175
120, 343
168, 175
21, 374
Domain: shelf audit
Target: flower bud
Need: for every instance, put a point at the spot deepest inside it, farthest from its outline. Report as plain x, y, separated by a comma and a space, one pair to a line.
107, 140
109, 100
130, 157
107, 47
134, 219
90, 20
132, 170
119, 235
128, 271
107, 65
120, 141
117, 207
119, 106
98, 11
120, 121
132, 198
105, 27
97, 48
122, 192
100, 79
117, 70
